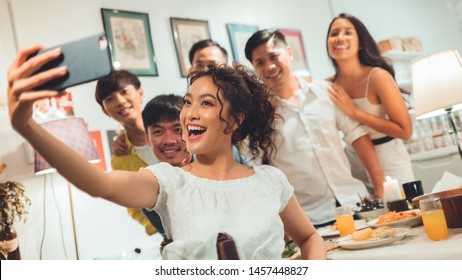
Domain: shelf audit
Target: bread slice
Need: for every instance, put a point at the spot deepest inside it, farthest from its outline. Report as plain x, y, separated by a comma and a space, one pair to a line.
369, 234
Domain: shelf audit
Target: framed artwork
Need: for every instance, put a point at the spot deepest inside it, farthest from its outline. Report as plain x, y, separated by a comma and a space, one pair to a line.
129, 35
294, 40
238, 36
186, 32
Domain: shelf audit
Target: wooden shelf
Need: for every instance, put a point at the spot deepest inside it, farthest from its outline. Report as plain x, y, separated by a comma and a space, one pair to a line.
402, 62
405, 84
436, 153
402, 55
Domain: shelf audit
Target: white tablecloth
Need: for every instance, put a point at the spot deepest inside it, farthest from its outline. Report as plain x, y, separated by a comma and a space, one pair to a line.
414, 246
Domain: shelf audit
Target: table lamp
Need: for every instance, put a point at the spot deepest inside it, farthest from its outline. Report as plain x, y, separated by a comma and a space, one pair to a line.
73, 132
437, 87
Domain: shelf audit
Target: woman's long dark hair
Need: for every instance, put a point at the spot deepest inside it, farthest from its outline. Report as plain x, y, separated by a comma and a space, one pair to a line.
248, 96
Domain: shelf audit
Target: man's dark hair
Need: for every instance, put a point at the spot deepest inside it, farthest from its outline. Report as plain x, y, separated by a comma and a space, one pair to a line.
114, 82
202, 44
165, 107
261, 37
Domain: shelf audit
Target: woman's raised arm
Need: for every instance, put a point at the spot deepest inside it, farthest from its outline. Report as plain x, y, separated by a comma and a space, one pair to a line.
130, 189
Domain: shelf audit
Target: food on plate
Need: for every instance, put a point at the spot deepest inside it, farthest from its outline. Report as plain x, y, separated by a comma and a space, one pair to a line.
383, 232
377, 233
362, 234
396, 216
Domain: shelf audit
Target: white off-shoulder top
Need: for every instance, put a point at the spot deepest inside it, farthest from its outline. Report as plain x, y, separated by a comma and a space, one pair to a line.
248, 209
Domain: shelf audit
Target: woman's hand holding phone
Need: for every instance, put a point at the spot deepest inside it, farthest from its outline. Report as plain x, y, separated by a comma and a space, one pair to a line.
21, 84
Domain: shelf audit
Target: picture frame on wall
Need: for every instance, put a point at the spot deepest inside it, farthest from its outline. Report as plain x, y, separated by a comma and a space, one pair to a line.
238, 36
295, 41
185, 33
129, 35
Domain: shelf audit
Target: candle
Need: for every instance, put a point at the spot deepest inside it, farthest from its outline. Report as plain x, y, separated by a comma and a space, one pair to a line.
391, 190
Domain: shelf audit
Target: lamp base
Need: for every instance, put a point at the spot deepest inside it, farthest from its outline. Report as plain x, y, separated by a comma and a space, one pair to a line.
73, 220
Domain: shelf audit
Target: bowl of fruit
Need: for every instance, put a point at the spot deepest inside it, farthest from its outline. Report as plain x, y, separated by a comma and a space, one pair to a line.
369, 208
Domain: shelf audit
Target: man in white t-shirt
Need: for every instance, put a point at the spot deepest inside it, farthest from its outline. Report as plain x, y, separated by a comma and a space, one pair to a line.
309, 149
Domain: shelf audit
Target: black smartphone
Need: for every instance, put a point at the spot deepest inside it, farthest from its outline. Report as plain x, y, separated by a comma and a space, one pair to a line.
87, 59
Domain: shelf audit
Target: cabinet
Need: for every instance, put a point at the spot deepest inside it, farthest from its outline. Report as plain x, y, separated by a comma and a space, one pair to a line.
402, 61
433, 150
429, 166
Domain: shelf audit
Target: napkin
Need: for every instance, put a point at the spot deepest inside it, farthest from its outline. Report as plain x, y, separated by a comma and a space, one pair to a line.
447, 182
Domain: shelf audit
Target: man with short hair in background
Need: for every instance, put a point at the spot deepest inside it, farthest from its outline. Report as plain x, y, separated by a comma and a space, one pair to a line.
206, 52
161, 119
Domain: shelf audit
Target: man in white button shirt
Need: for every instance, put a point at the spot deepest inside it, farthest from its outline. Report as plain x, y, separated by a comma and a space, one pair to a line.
309, 149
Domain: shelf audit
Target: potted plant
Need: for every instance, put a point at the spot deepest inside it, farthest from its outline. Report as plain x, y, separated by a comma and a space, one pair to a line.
13, 207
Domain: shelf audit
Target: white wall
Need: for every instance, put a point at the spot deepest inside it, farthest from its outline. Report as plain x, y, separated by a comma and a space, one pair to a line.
103, 228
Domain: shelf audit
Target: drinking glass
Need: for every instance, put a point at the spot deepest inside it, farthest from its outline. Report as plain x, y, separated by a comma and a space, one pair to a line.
345, 221
433, 219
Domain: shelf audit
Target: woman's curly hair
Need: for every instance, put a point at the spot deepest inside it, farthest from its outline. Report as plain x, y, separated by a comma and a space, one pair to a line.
249, 97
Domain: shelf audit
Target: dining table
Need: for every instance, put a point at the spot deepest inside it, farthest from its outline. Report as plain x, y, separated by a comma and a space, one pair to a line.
415, 245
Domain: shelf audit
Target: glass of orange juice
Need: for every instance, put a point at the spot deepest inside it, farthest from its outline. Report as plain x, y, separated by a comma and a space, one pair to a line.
345, 222
433, 219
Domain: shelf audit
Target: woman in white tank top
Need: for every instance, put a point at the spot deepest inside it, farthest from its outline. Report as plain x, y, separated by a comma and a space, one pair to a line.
364, 88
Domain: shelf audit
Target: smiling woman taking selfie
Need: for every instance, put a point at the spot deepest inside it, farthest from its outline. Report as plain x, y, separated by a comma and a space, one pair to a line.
364, 88
213, 194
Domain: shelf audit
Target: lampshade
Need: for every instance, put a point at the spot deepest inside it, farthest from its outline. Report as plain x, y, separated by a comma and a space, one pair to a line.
73, 132
437, 83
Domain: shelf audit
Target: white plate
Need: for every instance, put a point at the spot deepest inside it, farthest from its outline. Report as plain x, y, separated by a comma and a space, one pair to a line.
327, 232
348, 243
411, 222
